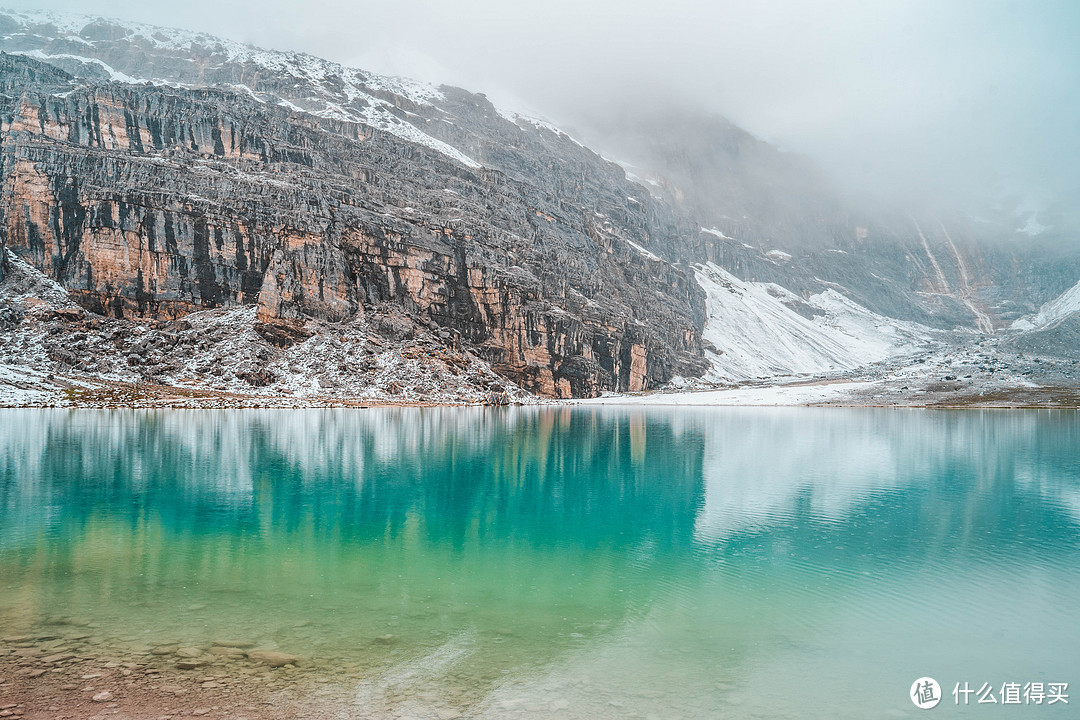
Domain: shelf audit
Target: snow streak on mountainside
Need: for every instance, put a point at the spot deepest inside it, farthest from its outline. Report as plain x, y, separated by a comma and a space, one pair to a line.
327, 89
761, 330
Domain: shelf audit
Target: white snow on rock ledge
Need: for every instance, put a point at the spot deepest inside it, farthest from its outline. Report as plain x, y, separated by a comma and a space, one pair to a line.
757, 334
718, 233
643, 252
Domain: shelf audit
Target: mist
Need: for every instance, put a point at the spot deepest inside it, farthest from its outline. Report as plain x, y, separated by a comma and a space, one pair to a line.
967, 102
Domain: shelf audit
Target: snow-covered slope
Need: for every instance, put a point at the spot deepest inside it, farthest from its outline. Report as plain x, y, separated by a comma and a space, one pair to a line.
299, 81
757, 333
1052, 312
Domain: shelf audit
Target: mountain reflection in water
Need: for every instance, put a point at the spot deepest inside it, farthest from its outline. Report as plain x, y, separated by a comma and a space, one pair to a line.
566, 561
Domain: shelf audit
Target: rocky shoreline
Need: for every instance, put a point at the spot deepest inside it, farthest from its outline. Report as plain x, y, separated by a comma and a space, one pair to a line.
61, 676
68, 673
23, 388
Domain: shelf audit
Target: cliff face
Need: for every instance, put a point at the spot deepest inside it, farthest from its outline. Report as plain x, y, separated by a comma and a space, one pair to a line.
153, 202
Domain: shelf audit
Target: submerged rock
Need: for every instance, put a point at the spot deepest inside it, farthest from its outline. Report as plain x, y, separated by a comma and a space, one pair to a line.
241, 644
16, 639
57, 657
226, 651
273, 658
189, 664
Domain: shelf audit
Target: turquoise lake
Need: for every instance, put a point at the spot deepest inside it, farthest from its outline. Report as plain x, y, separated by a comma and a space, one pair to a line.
566, 562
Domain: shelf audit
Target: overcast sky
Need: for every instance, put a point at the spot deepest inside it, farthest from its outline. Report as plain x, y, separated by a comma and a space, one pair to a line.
924, 94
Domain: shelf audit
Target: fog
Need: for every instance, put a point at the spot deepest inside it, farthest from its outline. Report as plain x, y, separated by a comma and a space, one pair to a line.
969, 99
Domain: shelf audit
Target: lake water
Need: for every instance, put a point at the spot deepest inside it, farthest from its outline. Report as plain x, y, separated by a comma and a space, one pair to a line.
565, 562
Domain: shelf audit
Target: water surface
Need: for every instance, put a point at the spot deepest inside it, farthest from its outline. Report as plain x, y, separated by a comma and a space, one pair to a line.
564, 562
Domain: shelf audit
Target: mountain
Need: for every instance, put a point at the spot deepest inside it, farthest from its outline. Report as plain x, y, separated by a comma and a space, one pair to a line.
238, 177
182, 211
772, 216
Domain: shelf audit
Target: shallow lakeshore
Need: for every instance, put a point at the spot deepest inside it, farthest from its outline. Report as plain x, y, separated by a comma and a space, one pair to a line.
142, 685
545, 562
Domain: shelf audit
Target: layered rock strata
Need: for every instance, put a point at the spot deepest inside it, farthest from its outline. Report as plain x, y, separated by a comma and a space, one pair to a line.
152, 202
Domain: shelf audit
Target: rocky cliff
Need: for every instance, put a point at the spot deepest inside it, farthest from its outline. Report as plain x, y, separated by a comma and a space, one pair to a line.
151, 201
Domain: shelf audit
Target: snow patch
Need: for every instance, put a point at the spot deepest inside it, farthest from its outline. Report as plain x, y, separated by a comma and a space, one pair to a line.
21, 386
717, 233
27, 285
756, 334
1033, 227
522, 120
1052, 312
